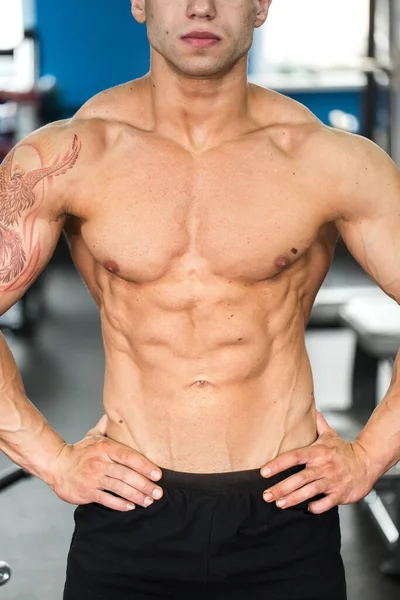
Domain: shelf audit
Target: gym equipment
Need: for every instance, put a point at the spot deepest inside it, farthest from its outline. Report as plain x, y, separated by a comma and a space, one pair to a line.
11, 475
5, 573
7, 478
330, 301
23, 317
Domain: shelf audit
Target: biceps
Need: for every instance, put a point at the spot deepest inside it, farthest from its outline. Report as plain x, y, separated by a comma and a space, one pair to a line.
24, 252
30, 222
375, 244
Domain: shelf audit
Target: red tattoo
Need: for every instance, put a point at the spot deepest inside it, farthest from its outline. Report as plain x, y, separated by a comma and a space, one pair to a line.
12, 255
17, 199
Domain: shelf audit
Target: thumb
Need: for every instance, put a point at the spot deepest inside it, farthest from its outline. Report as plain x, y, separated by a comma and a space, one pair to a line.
100, 428
322, 425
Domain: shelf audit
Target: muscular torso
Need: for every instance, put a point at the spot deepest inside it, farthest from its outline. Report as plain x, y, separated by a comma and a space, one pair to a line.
204, 267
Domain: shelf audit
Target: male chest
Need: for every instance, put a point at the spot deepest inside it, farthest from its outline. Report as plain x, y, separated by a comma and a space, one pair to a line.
235, 216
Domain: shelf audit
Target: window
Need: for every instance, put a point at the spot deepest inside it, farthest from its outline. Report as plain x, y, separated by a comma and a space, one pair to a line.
312, 34
11, 24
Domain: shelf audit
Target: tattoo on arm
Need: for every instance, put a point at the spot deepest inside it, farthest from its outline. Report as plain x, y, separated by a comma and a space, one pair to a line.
18, 261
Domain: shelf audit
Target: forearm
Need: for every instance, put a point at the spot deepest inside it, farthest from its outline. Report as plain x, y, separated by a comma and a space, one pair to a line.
25, 435
381, 436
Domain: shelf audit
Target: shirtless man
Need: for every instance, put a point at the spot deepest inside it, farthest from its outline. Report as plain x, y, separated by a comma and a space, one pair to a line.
202, 213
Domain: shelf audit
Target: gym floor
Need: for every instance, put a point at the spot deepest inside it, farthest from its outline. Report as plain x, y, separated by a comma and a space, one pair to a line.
63, 370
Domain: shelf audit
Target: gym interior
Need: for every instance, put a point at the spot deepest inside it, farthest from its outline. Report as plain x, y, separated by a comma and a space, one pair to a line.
342, 60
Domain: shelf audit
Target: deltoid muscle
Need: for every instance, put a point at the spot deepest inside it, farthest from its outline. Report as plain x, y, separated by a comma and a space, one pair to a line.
17, 199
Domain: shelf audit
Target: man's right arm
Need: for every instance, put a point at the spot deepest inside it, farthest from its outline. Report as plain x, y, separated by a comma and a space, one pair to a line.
32, 215
37, 180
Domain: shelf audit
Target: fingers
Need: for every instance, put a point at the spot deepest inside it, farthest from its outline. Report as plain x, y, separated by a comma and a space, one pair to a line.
302, 456
321, 506
287, 460
130, 485
299, 488
292, 484
136, 480
302, 495
126, 492
96, 465
113, 502
137, 462
316, 454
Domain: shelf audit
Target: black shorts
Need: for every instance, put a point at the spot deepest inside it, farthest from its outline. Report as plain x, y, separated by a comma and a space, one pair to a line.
211, 537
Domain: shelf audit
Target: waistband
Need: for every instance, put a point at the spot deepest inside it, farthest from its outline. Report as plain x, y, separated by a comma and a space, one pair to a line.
222, 481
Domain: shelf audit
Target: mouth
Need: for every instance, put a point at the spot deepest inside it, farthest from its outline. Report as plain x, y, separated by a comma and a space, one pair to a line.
201, 39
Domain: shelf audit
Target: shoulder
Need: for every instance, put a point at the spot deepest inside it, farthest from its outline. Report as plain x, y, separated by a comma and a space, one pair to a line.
125, 105
49, 144
346, 172
297, 130
278, 108
85, 140
342, 162
356, 179
354, 170
46, 148
55, 160
285, 122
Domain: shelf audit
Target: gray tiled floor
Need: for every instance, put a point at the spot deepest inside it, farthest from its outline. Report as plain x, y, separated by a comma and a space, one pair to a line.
63, 375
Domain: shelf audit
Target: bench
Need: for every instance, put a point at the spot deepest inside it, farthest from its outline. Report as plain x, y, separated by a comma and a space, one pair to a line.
376, 323
331, 299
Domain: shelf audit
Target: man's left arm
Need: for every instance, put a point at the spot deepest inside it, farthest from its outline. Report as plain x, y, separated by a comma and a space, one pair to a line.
368, 219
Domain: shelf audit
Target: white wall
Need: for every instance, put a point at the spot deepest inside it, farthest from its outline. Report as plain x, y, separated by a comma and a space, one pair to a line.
313, 33
11, 24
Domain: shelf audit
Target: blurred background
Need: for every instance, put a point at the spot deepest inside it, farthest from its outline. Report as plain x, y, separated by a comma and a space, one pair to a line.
342, 60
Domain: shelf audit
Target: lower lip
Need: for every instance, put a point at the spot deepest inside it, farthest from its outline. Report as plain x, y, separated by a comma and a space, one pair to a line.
201, 42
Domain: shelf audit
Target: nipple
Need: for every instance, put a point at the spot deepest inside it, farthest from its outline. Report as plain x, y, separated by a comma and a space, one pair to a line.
281, 262
111, 266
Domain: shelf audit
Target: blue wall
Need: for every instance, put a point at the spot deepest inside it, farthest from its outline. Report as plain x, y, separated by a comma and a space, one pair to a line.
322, 102
90, 45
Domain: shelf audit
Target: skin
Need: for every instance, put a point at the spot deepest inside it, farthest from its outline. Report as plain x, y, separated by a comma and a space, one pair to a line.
202, 213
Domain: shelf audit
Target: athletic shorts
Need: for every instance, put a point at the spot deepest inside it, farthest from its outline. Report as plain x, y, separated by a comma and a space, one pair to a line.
211, 536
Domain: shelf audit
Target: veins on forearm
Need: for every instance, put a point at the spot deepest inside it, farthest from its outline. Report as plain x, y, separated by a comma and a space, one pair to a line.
17, 202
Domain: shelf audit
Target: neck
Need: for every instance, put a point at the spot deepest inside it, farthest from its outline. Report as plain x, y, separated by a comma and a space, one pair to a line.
198, 113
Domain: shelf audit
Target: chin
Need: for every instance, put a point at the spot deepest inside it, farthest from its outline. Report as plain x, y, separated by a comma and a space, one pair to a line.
202, 71
201, 74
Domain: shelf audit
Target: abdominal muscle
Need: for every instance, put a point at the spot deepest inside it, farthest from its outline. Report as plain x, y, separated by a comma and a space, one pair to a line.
191, 402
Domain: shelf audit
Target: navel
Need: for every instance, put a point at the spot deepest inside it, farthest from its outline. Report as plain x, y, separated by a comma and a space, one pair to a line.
201, 384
